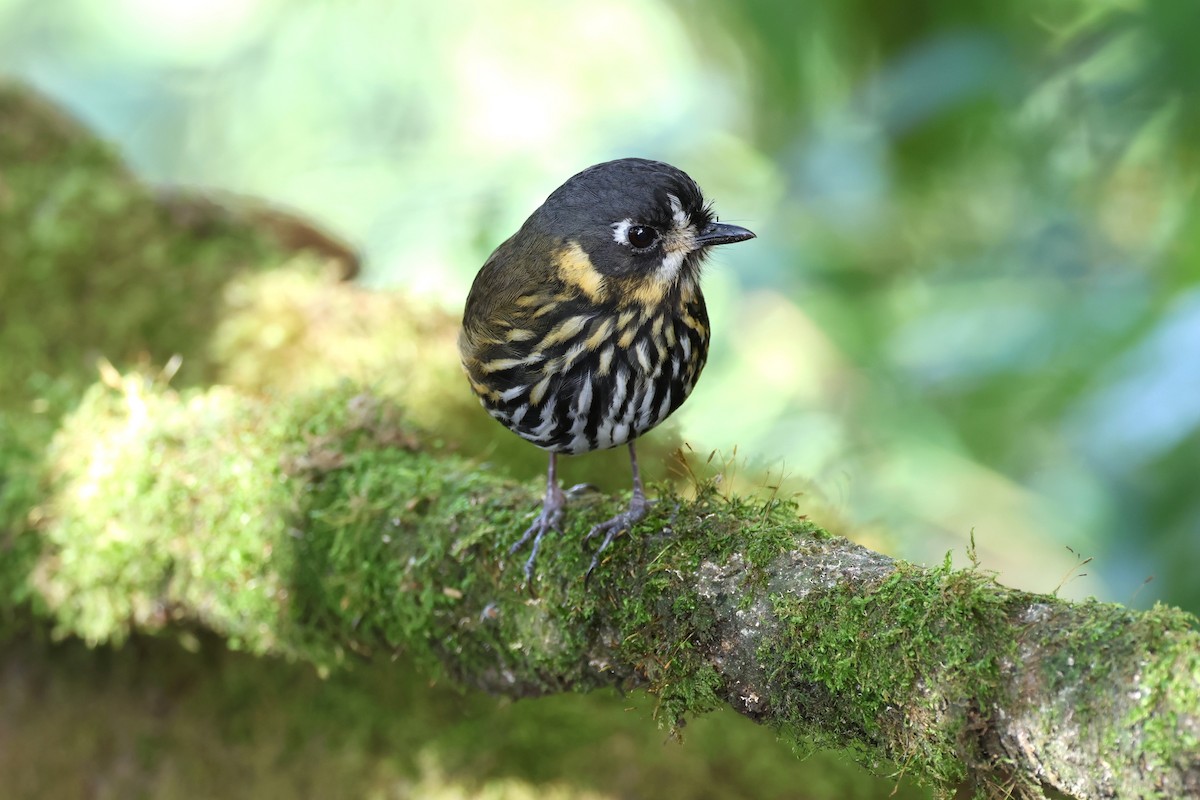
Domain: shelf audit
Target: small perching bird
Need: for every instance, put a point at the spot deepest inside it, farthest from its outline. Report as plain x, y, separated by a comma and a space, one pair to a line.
587, 328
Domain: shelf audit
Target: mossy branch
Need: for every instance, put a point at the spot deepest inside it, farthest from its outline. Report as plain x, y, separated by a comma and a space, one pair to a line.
327, 529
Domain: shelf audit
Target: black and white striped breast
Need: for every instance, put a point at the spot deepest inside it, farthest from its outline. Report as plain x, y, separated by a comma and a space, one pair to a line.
596, 378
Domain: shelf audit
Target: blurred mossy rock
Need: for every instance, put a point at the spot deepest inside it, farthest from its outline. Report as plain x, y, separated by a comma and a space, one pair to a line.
94, 264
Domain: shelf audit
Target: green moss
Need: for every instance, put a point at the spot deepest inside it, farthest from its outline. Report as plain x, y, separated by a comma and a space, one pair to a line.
305, 528
922, 655
658, 607
163, 552
19, 494
91, 264
1171, 676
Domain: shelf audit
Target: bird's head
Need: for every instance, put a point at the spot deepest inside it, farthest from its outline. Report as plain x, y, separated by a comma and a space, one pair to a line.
631, 230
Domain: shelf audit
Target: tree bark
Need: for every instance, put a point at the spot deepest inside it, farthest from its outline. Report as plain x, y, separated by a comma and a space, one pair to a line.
325, 527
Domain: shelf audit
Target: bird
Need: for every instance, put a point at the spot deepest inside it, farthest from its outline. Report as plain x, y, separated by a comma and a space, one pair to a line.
587, 327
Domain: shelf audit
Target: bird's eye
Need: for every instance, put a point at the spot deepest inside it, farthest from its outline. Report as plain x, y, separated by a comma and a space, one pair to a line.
642, 236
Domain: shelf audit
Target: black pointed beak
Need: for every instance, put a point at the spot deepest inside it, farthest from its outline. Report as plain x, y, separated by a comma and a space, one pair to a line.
720, 233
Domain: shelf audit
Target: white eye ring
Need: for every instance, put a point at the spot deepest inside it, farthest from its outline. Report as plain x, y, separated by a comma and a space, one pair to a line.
623, 230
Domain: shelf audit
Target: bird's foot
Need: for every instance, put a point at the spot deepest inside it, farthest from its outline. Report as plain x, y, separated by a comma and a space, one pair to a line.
548, 519
611, 528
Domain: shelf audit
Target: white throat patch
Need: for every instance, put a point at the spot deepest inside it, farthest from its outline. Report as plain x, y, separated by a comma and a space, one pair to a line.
671, 264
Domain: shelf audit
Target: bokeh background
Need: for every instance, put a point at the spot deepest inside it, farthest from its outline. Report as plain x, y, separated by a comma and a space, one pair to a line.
972, 307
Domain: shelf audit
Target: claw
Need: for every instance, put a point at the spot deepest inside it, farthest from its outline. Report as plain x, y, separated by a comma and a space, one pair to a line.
624, 521
612, 528
550, 518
